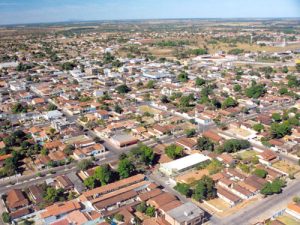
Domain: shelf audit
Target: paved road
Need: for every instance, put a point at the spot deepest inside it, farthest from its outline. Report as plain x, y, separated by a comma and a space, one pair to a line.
262, 209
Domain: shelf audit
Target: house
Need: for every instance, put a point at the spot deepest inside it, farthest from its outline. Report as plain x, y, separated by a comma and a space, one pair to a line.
64, 182
37, 101
15, 200
212, 136
241, 192
3, 158
294, 210
36, 194
187, 143
227, 159
58, 210
102, 114
267, 157
253, 183
161, 200
93, 150
185, 214
51, 115
123, 140
38, 134
227, 196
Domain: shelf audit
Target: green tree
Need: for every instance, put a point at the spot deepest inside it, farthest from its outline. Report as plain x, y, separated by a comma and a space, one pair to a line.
276, 117
125, 168
237, 88
214, 167
183, 77
104, 174
183, 189
234, 145
279, 130
51, 107
118, 109
199, 51
84, 164
142, 207
6, 217
123, 89
205, 189
119, 217
164, 99
150, 211
258, 127
200, 81
185, 101
260, 173
204, 143
283, 91
90, 182
19, 108
245, 168
174, 151
235, 51
150, 84
229, 102
190, 133
255, 91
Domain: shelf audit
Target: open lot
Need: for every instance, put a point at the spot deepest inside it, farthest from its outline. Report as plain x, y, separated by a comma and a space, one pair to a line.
219, 204
288, 220
286, 167
247, 154
148, 109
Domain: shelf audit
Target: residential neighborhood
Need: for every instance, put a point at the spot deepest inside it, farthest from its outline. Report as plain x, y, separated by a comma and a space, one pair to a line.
172, 123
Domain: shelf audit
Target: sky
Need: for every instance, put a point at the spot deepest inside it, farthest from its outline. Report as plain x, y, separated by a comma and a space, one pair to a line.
40, 11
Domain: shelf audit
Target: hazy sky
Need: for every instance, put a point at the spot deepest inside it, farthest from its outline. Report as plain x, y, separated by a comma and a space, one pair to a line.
31, 11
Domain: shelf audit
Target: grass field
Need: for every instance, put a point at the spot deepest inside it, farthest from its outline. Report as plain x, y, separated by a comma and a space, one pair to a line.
247, 154
148, 109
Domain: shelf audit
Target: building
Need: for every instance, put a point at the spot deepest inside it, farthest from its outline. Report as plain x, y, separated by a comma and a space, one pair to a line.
16, 200
227, 196
183, 164
294, 210
123, 140
186, 214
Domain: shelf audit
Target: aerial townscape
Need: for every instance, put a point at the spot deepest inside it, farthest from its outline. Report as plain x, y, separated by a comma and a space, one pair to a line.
153, 122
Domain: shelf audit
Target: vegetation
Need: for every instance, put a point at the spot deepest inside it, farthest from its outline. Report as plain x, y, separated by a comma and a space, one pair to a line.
183, 189
229, 102
234, 145
125, 168
258, 127
260, 173
273, 188
123, 89
255, 91
174, 151
204, 143
183, 77
6, 217
279, 130
205, 189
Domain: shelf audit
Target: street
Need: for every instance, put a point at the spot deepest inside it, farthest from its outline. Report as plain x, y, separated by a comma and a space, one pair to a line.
262, 209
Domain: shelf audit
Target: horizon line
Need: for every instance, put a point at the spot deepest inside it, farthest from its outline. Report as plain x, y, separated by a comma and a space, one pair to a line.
70, 21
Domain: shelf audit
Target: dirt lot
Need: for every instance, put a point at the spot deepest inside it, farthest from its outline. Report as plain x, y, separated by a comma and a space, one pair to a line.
286, 167
288, 220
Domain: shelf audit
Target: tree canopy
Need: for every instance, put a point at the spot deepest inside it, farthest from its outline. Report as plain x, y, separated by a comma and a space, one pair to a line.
174, 151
